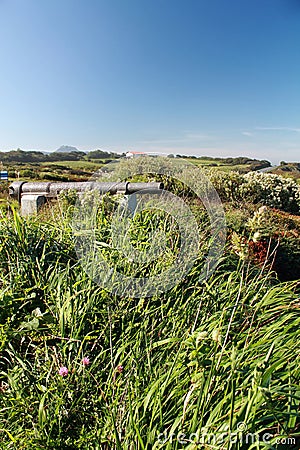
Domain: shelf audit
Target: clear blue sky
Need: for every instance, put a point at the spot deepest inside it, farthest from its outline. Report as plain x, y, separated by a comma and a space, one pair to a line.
203, 77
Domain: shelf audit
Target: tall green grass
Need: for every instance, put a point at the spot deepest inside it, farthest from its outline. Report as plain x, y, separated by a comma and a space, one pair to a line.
201, 366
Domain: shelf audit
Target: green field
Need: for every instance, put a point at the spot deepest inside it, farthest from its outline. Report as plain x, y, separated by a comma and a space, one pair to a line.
84, 165
220, 165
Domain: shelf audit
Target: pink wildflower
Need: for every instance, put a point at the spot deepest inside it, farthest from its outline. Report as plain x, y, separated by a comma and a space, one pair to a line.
120, 369
85, 361
63, 371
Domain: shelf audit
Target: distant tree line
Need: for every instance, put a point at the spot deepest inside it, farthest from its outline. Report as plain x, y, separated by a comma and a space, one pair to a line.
256, 164
100, 154
21, 156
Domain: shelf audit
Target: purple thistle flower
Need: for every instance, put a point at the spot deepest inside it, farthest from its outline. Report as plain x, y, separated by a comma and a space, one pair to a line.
63, 371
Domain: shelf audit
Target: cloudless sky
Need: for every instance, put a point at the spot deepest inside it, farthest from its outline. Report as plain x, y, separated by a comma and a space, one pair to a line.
201, 77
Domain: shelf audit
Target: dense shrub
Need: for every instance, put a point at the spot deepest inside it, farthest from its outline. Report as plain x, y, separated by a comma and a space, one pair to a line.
272, 190
27, 173
286, 263
52, 176
267, 189
267, 237
227, 184
3, 187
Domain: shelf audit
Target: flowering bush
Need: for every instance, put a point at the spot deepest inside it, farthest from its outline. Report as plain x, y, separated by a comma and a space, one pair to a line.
227, 184
269, 189
272, 190
266, 237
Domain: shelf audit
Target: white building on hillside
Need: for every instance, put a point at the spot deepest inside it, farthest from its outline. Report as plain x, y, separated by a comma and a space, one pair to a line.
135, 154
